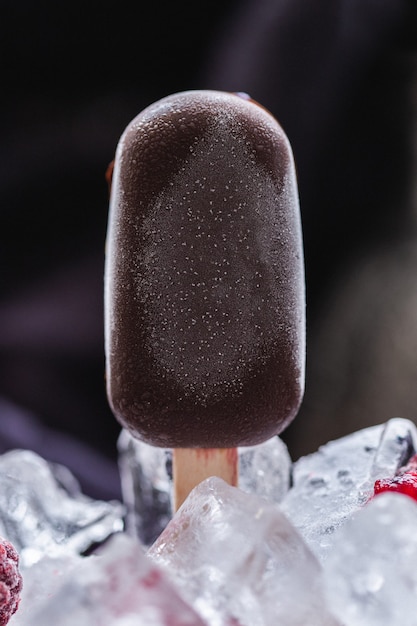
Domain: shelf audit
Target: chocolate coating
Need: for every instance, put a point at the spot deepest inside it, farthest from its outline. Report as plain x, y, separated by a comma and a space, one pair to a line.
204, 280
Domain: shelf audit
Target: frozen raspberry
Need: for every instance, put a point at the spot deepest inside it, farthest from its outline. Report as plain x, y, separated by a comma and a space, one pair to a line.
405, 481
10, 581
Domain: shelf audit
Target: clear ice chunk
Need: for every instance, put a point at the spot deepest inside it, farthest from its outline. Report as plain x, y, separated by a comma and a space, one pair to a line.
146, 479
239, 561
145, 476
42, 510
42, 580
332, 483
371, 575
118, 586
265, 470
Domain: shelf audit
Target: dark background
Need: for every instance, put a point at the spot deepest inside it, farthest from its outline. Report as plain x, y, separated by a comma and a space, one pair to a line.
340, 77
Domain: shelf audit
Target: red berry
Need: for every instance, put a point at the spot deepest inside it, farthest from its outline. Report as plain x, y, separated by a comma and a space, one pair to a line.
404, 482
10, 581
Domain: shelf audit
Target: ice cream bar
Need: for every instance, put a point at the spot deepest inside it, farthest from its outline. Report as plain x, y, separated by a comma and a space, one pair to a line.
204, 279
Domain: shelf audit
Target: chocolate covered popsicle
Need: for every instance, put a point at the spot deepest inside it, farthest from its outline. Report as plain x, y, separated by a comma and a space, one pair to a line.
204, 279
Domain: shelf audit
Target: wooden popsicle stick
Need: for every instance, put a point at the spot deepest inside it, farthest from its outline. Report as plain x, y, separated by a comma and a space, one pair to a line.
190, 466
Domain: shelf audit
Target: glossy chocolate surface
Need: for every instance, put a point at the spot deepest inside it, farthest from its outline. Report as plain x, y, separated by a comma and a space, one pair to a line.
204, 284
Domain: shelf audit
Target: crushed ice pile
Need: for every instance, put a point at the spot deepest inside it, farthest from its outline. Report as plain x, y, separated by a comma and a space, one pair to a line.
297, 544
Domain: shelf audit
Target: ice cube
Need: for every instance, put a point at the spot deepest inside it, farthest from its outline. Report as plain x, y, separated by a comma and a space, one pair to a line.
118, 586
146, 478
42, 510
145, 475
332, 483
42, 581
371, 574
239, 561
265, 469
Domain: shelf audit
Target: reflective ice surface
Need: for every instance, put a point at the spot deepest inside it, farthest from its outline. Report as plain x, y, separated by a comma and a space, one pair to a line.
371, 573
238, 560
42, 510
118, 586
332, 483
145, 475
146, 478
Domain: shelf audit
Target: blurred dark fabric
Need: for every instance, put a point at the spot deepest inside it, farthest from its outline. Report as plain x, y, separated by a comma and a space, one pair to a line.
340, 77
